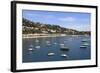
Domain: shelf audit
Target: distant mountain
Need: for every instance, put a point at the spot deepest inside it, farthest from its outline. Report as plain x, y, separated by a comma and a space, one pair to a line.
37, 27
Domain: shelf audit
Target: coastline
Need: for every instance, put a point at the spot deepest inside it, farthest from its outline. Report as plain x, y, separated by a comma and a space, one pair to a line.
41, 35
45, 35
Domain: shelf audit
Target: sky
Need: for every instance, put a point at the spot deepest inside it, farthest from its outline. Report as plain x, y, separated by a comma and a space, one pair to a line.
72, 20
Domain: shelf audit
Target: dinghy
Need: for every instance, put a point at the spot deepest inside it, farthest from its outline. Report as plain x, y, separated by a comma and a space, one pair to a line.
64, 48
51, 54
84, 40
30, 48
61, 45
64, 55
37, 47
83, 46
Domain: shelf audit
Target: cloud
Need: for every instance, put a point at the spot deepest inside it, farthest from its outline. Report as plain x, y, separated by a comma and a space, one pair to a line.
68, 19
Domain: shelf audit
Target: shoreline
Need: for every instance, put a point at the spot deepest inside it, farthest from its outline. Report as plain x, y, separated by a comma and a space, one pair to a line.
46, 35
41, 35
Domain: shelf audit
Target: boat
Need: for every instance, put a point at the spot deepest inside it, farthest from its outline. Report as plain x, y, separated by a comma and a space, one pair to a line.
64, 55
61, 45
51, 54
84, 40
37, 47
30, 49
64, 48
83, 46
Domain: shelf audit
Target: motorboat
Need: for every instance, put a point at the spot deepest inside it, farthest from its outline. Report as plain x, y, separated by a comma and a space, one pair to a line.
64, 55
30, 48
83, 46
51, 54
37, 47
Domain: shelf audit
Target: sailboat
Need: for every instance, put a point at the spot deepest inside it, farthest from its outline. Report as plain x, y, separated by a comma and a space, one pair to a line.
31, 48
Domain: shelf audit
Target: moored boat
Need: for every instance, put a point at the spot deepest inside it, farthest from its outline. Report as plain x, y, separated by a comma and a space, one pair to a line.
51, 54
31, 48
64, 48
37, 47
84, 40
83, 46
64, 55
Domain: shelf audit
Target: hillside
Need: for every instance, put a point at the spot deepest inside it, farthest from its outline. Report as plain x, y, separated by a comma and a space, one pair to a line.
30, 27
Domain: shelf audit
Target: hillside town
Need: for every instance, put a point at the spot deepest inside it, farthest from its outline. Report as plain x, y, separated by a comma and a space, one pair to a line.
30, 27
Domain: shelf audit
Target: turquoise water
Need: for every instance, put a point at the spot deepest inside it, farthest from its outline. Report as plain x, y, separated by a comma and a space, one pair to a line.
40, 47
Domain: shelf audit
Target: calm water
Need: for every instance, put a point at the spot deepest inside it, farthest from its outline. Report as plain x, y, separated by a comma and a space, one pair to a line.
41, 54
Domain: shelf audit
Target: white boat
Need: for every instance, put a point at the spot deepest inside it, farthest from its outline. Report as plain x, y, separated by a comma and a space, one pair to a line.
64, 55
30, 49
61, 45
64, 48
51, 54
84, 40
37, 47
83, 46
